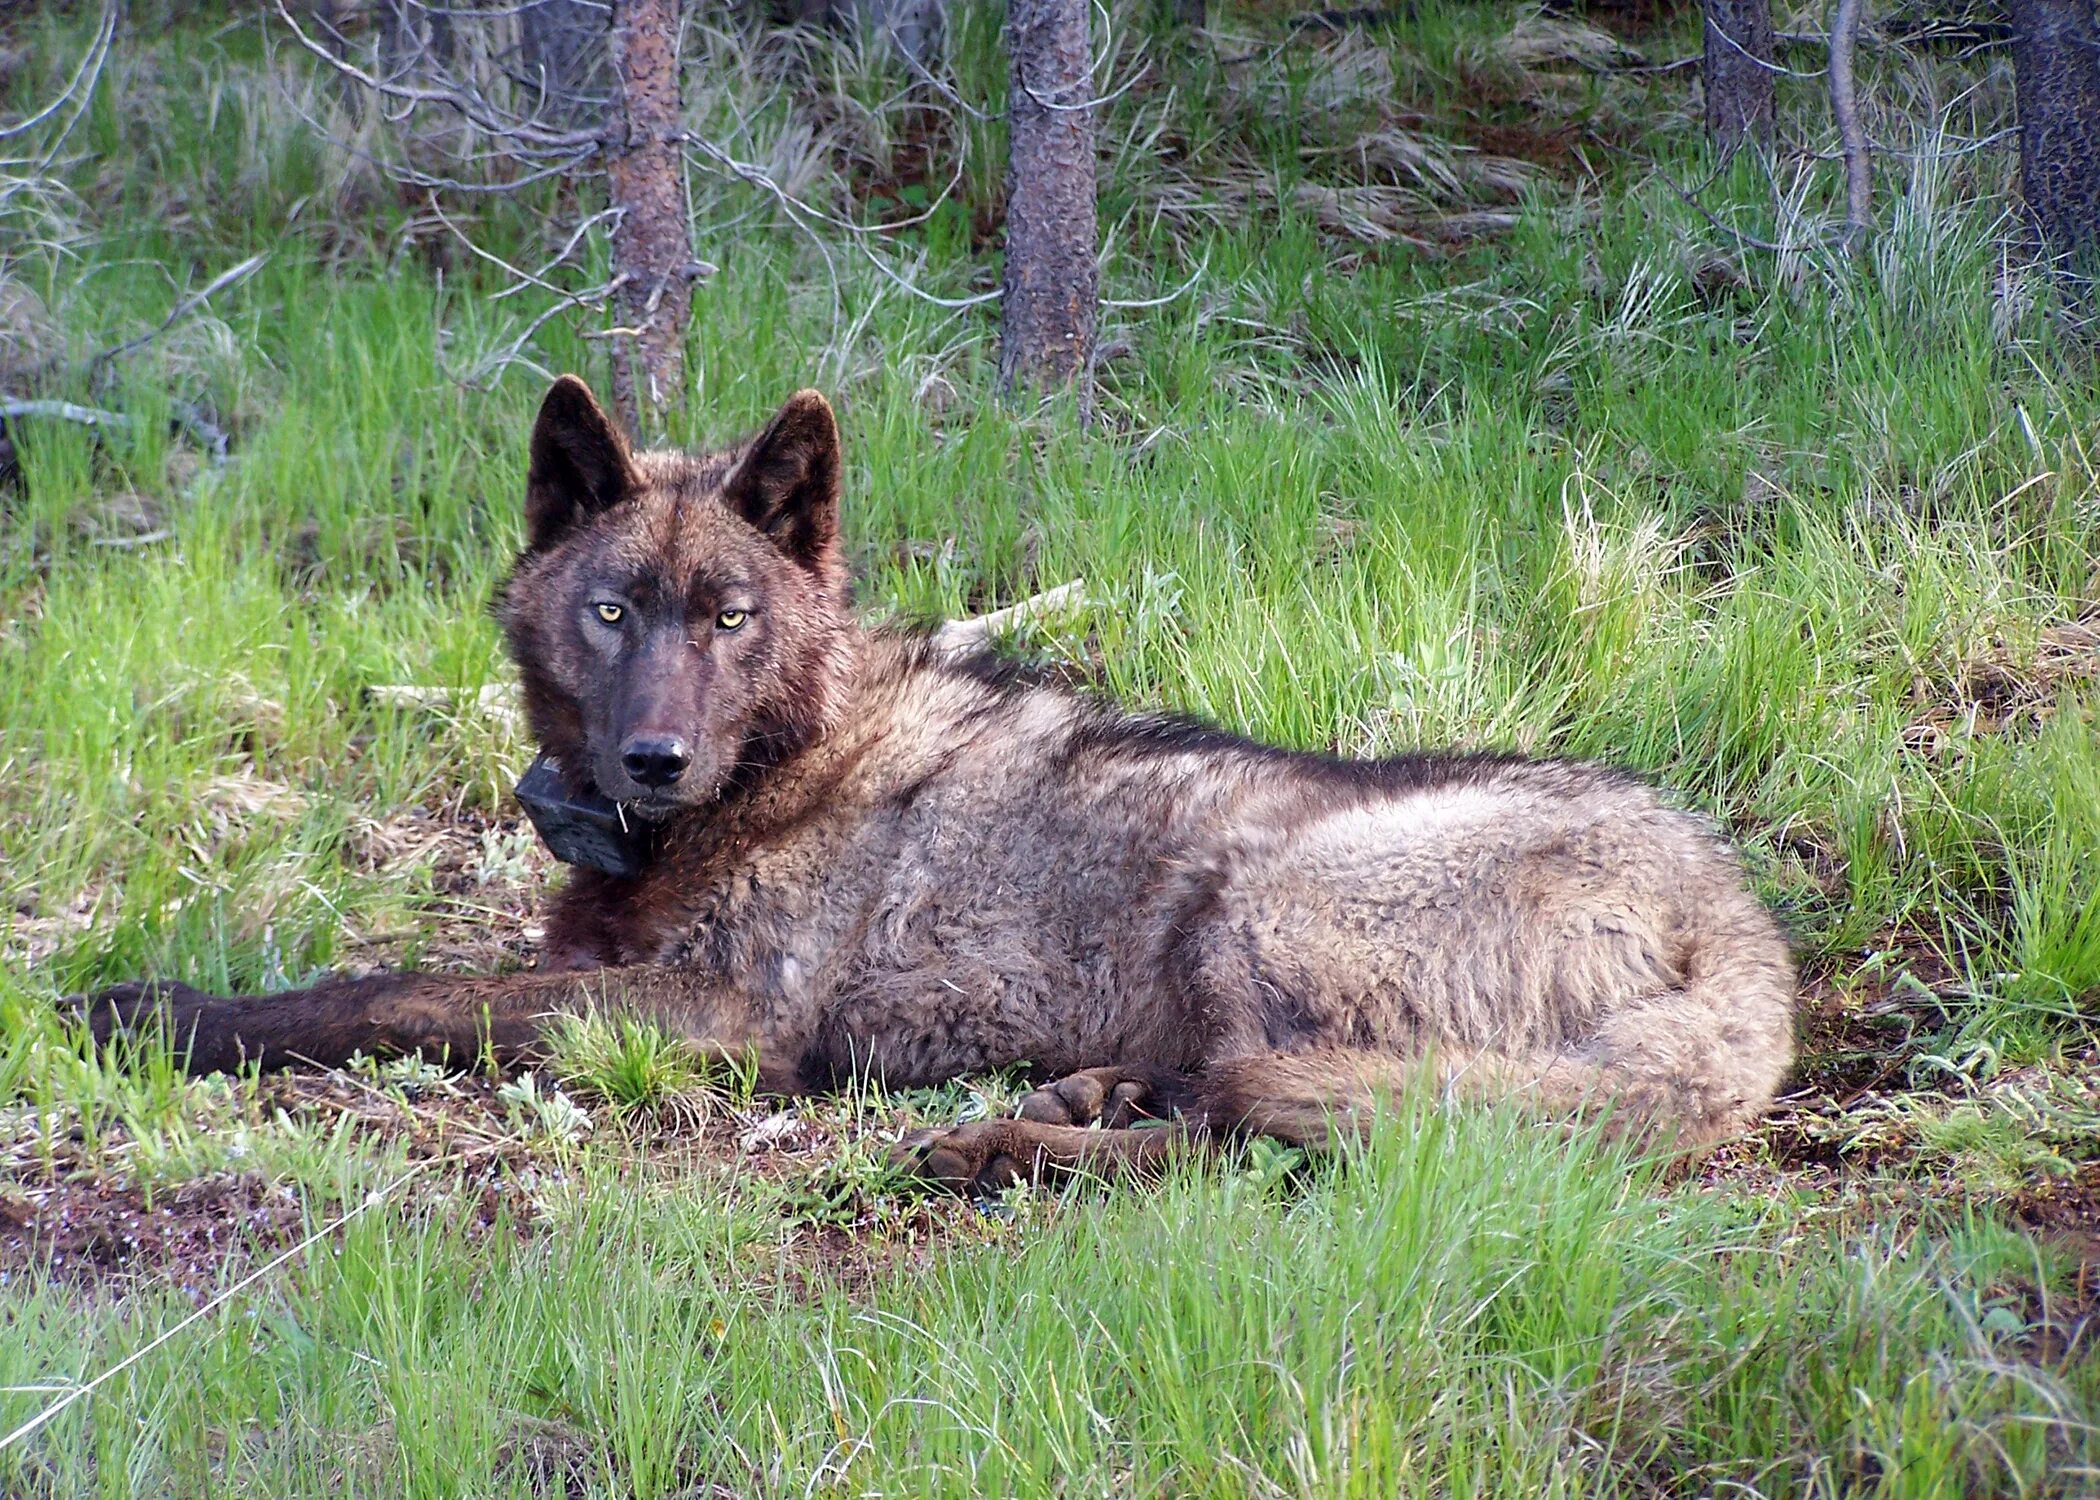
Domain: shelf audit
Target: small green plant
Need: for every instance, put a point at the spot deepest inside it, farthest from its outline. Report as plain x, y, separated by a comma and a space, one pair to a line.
544, 1111
635, 1066
408, 1077
982, 1096
854, 1185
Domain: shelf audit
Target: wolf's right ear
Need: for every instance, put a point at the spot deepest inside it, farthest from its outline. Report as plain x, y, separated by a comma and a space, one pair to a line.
580, 464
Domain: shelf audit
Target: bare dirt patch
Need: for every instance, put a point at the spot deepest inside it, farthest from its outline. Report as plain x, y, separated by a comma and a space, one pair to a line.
1556, 148
2005, 687
92, 1232
2066, 1211
1879, 1126
484, 1163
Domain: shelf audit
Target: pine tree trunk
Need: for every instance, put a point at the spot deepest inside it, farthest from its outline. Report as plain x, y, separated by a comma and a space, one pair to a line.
652, 245
2056, 74
1049, 298
1738, 90
563, 42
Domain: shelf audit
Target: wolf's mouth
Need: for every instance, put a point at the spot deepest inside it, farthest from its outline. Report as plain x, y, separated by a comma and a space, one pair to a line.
651, 807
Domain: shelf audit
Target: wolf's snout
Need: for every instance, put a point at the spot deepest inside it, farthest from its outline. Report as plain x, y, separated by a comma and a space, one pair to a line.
655, 762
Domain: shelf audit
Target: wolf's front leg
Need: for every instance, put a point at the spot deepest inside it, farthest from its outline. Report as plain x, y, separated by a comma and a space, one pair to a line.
439, 1015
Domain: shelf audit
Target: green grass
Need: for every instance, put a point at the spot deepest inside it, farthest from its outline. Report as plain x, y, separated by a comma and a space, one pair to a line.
1468, 1306
1810, 541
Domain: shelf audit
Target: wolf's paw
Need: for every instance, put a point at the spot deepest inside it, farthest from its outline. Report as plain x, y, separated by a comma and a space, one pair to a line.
137, 1005
976, 1160
985, 1158
1114, 1098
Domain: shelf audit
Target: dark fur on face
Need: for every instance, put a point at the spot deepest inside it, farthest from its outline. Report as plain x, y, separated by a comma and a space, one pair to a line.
677, 618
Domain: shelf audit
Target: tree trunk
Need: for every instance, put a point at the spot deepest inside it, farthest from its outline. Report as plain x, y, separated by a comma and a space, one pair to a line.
652, 244
2056, 76
1738, 77
563, 42
1048, 302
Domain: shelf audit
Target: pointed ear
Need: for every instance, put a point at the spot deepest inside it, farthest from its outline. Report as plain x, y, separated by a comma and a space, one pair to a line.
580, 464
787, 481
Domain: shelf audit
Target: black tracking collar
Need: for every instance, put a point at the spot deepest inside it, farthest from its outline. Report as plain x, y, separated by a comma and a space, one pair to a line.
583, 826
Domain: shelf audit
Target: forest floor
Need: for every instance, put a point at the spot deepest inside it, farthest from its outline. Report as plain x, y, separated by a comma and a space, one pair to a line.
1482, 415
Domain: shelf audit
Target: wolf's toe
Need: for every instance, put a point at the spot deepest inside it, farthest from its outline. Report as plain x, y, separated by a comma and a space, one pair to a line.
1130, 1101
1114, 1098
1069, 1101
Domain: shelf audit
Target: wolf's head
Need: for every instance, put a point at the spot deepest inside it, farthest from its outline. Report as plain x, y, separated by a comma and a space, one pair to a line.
675, 617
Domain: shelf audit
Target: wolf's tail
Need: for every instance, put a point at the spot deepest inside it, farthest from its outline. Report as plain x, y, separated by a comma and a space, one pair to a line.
1691, 1065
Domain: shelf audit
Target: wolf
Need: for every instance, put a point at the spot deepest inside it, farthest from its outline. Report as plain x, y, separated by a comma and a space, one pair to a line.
873, 857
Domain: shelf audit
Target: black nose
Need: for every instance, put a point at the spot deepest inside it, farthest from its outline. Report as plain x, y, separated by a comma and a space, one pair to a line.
655, 762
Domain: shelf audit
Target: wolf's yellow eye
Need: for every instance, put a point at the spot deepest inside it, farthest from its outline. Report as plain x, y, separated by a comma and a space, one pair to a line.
730, 619
611, 614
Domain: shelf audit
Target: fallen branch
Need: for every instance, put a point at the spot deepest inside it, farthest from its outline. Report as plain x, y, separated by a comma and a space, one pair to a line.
63, 411
499, 700
186, 417
960, 636
209, 435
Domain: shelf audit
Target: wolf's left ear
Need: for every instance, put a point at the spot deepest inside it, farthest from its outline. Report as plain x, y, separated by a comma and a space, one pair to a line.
580, 464
787, 481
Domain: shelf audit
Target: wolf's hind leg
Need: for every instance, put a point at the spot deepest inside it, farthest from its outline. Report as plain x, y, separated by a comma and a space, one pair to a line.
1652, 1076
1303, 1098
1114, 1098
